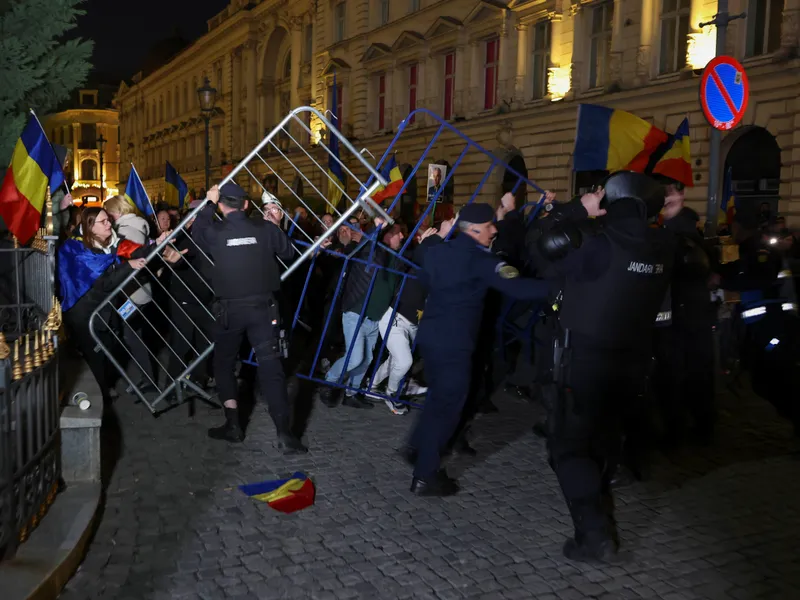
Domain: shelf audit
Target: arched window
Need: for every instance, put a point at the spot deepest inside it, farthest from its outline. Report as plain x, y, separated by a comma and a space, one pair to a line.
287, 66
89, 170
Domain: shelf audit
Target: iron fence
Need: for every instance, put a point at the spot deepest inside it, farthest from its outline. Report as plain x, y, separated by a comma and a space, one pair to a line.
30, 441
27, 276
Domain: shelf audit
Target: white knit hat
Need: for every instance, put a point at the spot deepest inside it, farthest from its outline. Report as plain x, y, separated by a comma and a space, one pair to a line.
268, 198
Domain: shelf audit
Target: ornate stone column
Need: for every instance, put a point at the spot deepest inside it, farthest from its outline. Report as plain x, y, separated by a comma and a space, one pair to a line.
507, 75
615, 61
252, 134
646, 38
236, 102
790, 28
520, 95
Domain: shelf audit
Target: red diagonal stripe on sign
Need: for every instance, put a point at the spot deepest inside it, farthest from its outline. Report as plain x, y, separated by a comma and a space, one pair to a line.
724, 93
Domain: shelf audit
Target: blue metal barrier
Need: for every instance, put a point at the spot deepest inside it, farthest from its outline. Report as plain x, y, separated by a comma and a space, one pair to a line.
399, 256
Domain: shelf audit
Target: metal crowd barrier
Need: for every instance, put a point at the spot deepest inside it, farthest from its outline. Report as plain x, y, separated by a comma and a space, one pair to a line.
444, 134
30, 441
138, 339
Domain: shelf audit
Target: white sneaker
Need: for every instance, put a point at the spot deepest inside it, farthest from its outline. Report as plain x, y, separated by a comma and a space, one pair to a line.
415, 389
373, 393
396, 407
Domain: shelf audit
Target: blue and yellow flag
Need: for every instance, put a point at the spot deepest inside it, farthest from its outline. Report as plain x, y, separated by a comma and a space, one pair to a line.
286, 495
335, 173
34, 167
137, 195
176, 191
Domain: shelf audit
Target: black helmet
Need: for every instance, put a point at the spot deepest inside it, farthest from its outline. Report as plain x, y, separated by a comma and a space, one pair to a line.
635, 186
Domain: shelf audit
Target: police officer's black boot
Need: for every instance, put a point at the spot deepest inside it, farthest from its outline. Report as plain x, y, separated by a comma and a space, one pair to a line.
325, 394
289, 444
231, 431
439, 485
594, 539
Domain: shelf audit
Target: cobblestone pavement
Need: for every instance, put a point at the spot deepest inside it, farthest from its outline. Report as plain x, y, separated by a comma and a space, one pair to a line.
712, 523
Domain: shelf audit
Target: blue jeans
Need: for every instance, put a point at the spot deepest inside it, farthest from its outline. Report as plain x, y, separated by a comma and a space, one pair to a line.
363, 343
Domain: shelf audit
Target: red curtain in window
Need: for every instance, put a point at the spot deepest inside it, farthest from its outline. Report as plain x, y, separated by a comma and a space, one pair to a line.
381, 102
490, 75
449, 84
412, 92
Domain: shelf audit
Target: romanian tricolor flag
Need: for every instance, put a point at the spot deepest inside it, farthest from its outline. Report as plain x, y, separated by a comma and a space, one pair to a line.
285, 495
335, 173
613, 140
34, 167
137, 195
395, 178
676, 163
176, 191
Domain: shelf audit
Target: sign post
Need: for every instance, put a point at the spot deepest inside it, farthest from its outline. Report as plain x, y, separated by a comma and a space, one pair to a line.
720, 21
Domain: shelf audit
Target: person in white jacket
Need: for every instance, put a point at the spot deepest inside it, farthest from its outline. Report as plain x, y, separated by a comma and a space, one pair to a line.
130, 226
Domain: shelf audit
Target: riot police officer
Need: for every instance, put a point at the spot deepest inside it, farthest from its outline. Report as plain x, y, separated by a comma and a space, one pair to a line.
457, 275
245, 280
614, 283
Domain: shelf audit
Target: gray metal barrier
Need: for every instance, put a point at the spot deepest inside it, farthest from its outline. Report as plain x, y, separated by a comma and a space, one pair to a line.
155, 327
26, 284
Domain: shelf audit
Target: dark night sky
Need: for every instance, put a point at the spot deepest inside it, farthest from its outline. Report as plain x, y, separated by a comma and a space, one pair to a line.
124, 31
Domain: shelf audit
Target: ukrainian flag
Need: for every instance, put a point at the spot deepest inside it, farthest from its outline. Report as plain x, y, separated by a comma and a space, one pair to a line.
335, 173
392, 174
176, 192
34, 167
137, 195
676, 163
613, 140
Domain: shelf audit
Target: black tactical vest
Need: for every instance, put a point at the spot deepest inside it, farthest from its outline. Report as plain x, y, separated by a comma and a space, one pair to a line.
664, 316
618, 309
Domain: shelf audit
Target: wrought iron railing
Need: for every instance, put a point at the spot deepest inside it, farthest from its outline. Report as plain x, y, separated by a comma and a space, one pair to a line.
26, 284
30, 442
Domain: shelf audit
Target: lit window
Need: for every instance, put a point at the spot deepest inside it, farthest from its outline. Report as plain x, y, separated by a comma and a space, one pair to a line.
381, 102
339, 21
764, 18
339, 95
674, 34
412, 92
449, 84
384, 14
540, 59
490, 74
309, 43
602, 20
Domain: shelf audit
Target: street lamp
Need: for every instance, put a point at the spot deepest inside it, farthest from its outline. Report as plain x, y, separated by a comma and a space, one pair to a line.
101, 146
206, 98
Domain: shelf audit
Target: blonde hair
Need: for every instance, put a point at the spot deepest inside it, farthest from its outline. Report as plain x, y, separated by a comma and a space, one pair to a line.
119, 205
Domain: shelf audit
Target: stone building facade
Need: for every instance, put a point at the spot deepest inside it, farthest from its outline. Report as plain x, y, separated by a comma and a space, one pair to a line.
508, 74
77, 126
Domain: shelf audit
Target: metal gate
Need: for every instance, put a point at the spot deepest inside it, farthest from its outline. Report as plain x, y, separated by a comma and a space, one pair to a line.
443, 138
160, 345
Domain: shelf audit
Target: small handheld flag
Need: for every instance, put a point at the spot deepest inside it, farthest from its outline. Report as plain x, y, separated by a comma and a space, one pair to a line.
676, 163
285, 495
392, 174
137, 195
176, 191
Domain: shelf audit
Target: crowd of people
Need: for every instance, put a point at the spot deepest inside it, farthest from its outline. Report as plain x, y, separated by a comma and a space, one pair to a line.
612, 279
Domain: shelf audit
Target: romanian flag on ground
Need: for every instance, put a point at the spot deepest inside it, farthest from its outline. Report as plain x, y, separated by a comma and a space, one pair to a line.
335, 173
79, 267
613, 140
392, 174
137, 195
34, 167
285, 495
176, 192
676, 163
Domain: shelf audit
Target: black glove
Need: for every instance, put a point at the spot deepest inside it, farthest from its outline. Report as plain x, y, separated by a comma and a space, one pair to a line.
557, 242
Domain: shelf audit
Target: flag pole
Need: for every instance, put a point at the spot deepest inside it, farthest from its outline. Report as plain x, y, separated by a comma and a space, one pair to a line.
146, 195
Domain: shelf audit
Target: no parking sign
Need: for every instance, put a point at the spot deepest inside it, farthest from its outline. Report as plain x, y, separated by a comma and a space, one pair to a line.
724, 91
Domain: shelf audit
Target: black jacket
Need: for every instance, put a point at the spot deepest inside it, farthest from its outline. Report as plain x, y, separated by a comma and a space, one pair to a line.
189, 280
412, 298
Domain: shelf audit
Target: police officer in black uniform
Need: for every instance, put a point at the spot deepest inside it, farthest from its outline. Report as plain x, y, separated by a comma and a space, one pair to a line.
246, 279
614, 284
457, 275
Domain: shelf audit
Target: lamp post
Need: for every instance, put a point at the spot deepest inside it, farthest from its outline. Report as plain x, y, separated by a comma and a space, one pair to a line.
101, 146
207, 98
